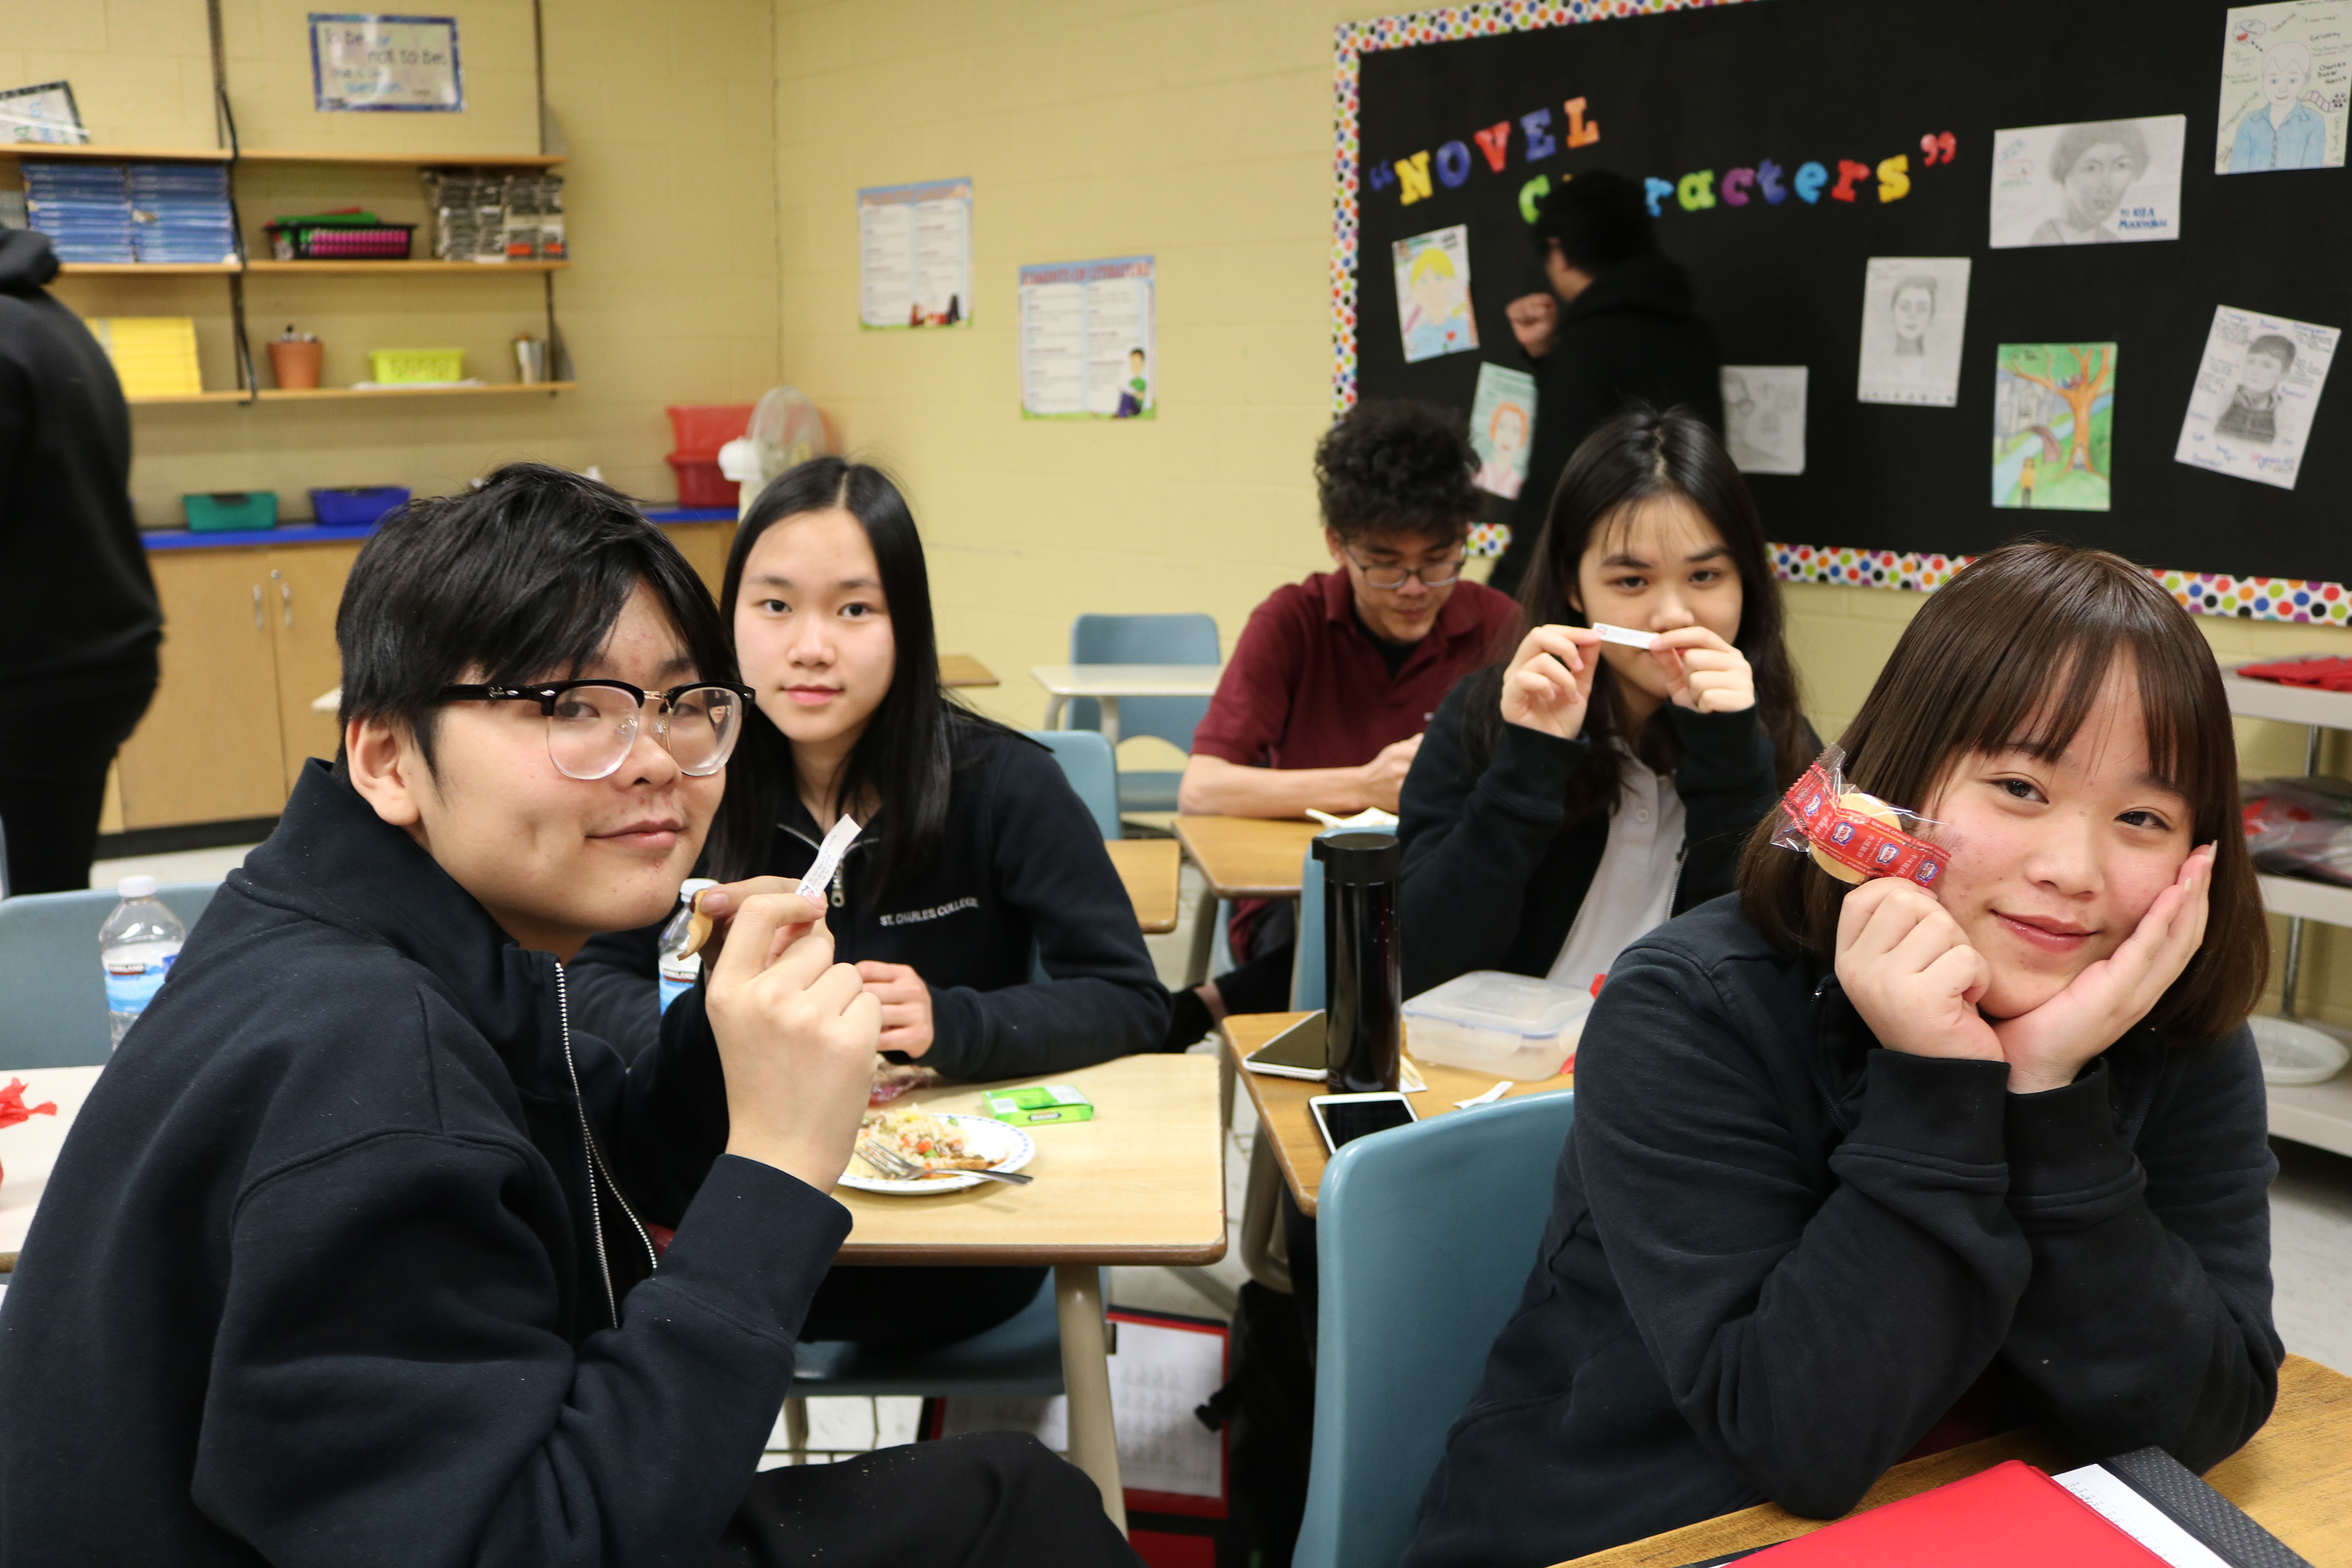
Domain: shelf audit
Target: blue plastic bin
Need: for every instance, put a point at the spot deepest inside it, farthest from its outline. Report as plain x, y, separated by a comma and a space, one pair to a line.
356, 505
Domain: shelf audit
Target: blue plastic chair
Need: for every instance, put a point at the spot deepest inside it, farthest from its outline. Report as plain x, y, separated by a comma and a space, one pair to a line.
1145, 640
52, 994
1424, 1237
1092, 771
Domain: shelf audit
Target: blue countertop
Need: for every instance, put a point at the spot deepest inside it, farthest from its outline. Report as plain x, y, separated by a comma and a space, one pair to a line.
320, 533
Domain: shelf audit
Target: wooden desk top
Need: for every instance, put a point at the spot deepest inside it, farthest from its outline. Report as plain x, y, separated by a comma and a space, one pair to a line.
2295, 1477
962, 669
1128, 679
1247, 856
1143, 1182
1153, 869
1281, 1102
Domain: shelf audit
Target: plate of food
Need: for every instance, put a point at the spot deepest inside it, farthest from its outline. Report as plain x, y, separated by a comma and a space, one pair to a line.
950, 1144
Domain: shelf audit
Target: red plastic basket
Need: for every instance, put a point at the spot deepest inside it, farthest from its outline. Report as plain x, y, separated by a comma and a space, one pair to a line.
699, 482
703, 427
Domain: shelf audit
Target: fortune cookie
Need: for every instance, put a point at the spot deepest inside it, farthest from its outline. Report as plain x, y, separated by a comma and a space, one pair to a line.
697, 926
1868, 806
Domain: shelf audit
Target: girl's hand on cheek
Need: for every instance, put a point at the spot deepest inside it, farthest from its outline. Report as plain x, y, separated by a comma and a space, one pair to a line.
1911, 974
2048, 1047
1704, 673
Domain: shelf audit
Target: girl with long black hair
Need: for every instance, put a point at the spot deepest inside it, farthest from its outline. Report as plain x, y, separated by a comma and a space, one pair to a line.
1571, 798
977, 866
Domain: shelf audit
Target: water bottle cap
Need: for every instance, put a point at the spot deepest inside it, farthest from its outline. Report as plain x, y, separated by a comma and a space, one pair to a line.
136, 887
1359, 858
693, 885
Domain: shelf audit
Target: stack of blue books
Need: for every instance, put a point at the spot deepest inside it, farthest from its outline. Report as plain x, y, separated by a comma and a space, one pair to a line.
84, 208
181, 213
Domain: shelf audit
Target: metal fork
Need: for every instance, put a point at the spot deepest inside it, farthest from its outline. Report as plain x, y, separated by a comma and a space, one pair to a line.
898, 1168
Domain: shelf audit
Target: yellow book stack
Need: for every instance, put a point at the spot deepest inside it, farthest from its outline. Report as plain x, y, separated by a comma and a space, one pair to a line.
154, 356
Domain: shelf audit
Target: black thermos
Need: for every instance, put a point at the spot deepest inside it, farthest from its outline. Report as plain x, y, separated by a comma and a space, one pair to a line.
1363, 994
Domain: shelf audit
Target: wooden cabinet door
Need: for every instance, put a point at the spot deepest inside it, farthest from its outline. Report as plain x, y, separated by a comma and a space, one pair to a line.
705, 546
208, 749
302, 591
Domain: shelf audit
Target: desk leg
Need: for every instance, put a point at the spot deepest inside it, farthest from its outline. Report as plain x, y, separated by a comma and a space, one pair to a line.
1085, 1376
1205, 938
1111, 726
1055, 707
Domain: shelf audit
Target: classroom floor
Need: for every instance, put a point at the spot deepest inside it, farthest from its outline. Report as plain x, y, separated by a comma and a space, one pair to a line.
2311, 1220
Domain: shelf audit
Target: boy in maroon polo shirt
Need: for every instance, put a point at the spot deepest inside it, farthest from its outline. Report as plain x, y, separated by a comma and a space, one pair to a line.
1334, 679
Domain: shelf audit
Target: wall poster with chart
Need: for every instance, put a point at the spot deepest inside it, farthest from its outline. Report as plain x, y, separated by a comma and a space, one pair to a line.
1086, 344
1879, 194
914, 255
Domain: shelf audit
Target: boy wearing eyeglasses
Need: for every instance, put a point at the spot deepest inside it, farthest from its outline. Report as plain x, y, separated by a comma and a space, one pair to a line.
356, 1252
1334, 679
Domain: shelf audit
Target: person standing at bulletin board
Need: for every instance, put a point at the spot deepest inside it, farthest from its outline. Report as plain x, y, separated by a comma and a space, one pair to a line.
1617, 324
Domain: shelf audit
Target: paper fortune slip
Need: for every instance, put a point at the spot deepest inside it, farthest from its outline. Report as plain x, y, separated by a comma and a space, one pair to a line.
1625, 637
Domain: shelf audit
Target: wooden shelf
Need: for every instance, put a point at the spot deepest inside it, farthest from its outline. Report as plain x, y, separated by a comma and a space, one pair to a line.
415, 159
143, 269
403, 269
314, 394
12, 150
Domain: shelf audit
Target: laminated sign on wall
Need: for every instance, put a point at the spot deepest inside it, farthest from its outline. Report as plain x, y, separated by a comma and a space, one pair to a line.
914, 255
361, 63
1087, 348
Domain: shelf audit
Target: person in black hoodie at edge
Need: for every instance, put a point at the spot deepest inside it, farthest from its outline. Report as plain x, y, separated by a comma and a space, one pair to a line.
1536, 838
1617, 324
978, 901
80, 623
1862, 1173
346, 1258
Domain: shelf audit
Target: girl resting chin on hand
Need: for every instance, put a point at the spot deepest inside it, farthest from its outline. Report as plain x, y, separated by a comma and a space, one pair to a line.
1859, 1174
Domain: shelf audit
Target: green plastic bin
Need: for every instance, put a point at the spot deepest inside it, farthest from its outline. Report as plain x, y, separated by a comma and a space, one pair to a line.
226, 511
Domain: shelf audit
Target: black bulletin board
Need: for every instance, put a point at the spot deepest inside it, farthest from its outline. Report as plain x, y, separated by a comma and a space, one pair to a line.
1862, 80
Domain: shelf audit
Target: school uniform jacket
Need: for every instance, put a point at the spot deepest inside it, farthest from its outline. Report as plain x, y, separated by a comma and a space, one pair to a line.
1494, 873
319, 1278
1779, 1253
1021, 882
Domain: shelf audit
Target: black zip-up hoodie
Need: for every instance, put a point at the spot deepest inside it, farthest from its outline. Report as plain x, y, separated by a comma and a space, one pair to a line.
1021, 880
78, 616
318, 1278
1779, 1252
1494, 873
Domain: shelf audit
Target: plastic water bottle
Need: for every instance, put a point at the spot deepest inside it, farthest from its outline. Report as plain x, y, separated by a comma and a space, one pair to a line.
138, 944
679, 968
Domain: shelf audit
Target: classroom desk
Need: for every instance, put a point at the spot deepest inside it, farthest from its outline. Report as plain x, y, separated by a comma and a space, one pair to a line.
962, 669
1107, 683
2294, 1479
1140, 1185
1239, 857
1152, 869
1283, 1118
955, 670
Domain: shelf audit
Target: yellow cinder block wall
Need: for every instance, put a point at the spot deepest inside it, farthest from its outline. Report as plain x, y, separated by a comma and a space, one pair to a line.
1200, 134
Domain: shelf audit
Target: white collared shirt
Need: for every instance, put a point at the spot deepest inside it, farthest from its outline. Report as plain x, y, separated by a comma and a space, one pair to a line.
1633, 890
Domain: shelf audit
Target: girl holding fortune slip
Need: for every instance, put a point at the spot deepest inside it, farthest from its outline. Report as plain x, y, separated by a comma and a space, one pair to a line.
1860, 1173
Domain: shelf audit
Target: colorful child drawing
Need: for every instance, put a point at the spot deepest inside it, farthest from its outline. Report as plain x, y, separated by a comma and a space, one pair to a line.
1432, 278
1502, 417
2286, 72
2053, 425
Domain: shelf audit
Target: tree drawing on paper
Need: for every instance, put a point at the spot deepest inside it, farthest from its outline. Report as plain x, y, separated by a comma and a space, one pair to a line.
2053, 425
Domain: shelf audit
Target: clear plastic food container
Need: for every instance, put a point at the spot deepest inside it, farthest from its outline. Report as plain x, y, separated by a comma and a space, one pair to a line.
1512, 1026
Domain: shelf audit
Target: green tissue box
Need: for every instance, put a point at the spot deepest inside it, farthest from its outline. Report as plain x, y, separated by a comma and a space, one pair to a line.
1050, 1103
226, 511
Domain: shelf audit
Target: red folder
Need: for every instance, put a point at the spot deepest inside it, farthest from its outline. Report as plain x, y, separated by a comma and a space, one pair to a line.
2012, 1516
